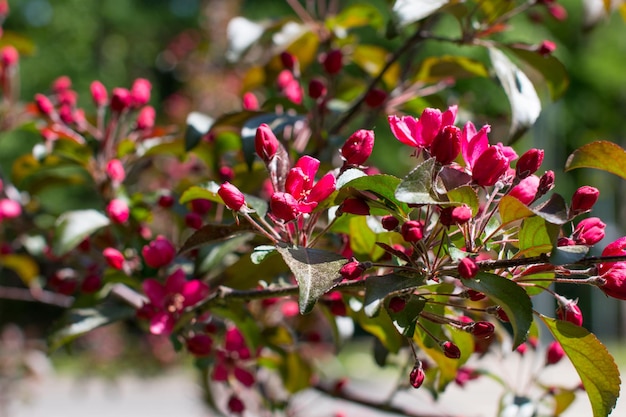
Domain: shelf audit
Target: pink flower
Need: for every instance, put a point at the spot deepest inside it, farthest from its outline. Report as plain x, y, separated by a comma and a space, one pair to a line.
62, 83
546, 47
614, 273
140, 92
589, 231
473, 143
121, 99
159, 252
490, 166
421, 133
9, 209
228, 360
115, 171
99, 93
145, 118
113, 258
526, 190
250, 102
118, 211
168, 301
302, 193
293, 92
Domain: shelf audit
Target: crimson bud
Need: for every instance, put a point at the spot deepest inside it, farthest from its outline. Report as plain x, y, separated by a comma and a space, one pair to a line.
44, 105
332, 61
232, 197
455, 215
583, 199
529, 163
589, 231
113, 258
413, 231
490, 166
356, 206
554, 353
352, 270
99, 93
569, 311
118, 211
120, 99
451, 350
389, 222
446, 146
265, 143
416, 378
467, 268
200, 345
546, 183
317, 89
159, 252
483, 329
397, 304
375, 97
358, 147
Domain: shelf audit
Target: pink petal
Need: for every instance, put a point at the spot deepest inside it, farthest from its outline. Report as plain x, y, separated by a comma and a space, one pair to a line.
220, 372
244, 376
476, 145
233, 340
405, 129
193, 292
449, 116
296, 183
309, 166
162, 323
430, 122
322, 189
175, 282
154, 291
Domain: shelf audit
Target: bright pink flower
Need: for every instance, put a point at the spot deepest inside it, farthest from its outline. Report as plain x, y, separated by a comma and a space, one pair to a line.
589, 231
557, 11
421, 132
232, 197
9, 56
146, 118
250, 102
614, 273
228, 360
120, 99
490, 166
140, 92
99, 93
115, 171
358, 147
554, 354
265, 143
569, 311
302, 193
159, 252
467, 268
67, 97
113, 258
584, 199
9, 209
526, 190
168, 301
118, 211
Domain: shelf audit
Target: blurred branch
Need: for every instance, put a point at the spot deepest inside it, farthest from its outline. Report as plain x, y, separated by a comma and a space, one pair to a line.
36, 295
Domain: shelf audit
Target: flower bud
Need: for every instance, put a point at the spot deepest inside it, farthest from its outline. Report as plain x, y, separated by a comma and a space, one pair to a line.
121, 99
455, 215
165, 201
99, 93
546, 48
583, 199
91, 283
490, 166
193, 220
389, 222
44, 105
288, 60
62, 83
118, 211
9, 56
589, 231
265, 143
569, 311
232, 197
284, 78
115, 171
356, 206
557, 11
397, 304
317, 89
446, 146
614, 273
358, 147
451, 350
526, 190
375, 97
546, 183
416, 378
145, 118
332, 62
9, 209
159, 252
352, 270
140, 92
250, 102
483, 329
467, 268
554, 354
235, 405
293, 92
113, 258
522, 349
529, 163
200, 345
284, 206
413, 231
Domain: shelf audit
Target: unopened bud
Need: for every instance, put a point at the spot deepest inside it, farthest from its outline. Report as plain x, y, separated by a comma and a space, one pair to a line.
416, 378
375, 97
583, 199
333, 62
232, 197
352, 270
140, 92
413, 231
446, 146
554, 354
389, 222
358, 148
317, 89
546, 183
356, 206
529, 163
265, 143
467, 268
451, 350
99, 93
120, 99
483, 329
44, 105
145, 118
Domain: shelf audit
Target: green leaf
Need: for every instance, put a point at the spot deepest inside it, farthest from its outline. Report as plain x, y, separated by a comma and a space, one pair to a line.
564, 255
406, 319
537, 236
372, 59
206, 192
80, 321
511, 209
552, 70
511, 297
73, 227
23, 265
416, 187
465, 195
381, 185
296, 372
356, 15
604, 155
378, 287
594, 364
315, 270
524, 101
213, 232
436, 68
381, 327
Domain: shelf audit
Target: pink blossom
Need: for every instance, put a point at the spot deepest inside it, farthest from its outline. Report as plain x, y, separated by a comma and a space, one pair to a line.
614, 273
145, 118
265, 142
358, 147
228, 359
589, 231
168, 301
421, 132
9, 209
113, 258
232, 197
526, 190
99, 93
115, 171
250, 102
159, 252
62, 83
493, 165
118, 211
140, 92
9, 56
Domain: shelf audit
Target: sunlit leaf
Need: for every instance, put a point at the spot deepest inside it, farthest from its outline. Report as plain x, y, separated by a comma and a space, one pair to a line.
511, 209
594, 364
78, 322
73, 227
604, 155
381, 185
416, 187
552, 70
537, 236
362, 14
524, 101
381, 327
378, 287
372, 58
511, 297
315, 270
436, 68
23, 265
